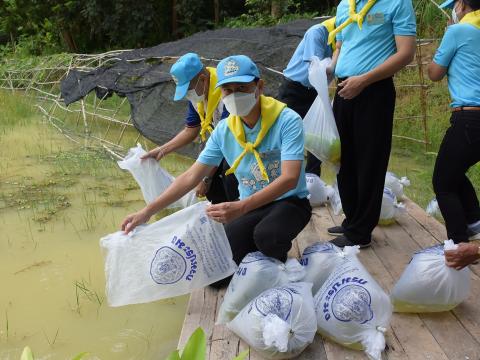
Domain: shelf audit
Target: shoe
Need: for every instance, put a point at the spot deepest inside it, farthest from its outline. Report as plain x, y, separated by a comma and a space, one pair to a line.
336, 230
342, 241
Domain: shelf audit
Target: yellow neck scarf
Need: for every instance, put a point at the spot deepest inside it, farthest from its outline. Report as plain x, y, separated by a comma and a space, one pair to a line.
270, 110
472, 18
213, 99
353, 17
330, 26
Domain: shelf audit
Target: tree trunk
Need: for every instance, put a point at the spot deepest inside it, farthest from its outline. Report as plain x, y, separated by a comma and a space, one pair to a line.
276, 9
216, 8
69, 41
174, 19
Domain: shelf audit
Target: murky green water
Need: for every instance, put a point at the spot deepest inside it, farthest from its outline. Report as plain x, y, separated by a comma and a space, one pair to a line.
56, 200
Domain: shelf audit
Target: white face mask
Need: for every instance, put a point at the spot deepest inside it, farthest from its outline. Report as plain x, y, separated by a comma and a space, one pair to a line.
455, 19
193, 96
240, 104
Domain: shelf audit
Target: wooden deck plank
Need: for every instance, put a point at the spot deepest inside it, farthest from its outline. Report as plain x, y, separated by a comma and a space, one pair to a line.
413, 340
225, 344
394, 349
453, 335
449, 333
200, 313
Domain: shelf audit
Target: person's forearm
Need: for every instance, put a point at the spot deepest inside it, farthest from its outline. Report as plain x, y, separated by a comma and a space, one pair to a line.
183, 138
182, 185
275, 189
390, 67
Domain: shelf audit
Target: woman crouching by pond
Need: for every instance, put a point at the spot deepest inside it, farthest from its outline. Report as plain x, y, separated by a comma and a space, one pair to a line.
458, 57
263, 142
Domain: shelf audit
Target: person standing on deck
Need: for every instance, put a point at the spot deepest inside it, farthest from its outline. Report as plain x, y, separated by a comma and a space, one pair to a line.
263, 141
197, 84
458, 57
375, 39
296, 90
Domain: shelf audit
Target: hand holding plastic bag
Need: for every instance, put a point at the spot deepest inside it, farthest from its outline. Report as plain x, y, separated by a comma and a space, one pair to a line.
173, 256
255, 274
151, 177
321, 134
279, 323
429, 285
352, 309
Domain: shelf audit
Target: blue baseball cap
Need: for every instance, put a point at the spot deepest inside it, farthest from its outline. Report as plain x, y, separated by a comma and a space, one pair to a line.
183, 71
236, 68
448, 4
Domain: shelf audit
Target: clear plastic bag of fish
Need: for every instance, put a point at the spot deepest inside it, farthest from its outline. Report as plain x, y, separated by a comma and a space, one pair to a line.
279, 323
335, 201
352, 309
173, 256
319, 191
390, 207
429, 285
321, 134
396, 184
319, 260
433, 209
151, 177
255, 274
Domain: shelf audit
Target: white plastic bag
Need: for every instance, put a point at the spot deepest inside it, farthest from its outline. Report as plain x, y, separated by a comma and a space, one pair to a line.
396, 185
335, 200
279, 323
429, 285
255, 274
173, 256
390, 207
151, 177
321, 134
433, 209
352, 309
319, 191
319, 260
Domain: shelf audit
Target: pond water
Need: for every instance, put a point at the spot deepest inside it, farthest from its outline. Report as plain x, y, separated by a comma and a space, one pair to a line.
57, 199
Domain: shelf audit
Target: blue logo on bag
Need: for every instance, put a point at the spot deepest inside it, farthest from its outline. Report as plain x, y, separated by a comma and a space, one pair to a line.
320, 248
168, 266
275, 301
352, 303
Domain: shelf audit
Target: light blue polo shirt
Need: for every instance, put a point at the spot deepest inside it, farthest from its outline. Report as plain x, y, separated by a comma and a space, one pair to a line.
314, 43
364, 50
284, 141
460, 53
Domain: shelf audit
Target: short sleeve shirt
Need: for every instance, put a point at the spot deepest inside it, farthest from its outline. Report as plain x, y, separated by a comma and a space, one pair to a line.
314, 43
192, 119
459, 51
364, 50
284, 141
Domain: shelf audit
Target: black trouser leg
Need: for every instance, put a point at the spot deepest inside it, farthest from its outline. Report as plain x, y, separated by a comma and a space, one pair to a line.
460, 149
300, 99
223, 188
365, 127
269, 229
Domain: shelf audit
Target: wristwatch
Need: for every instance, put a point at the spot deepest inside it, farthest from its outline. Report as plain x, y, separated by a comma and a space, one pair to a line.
207, 180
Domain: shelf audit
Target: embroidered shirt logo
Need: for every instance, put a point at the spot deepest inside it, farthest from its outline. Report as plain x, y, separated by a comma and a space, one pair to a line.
231, 67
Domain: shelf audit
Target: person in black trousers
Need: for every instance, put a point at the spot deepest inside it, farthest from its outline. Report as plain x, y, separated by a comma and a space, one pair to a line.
370, 50
458, 57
